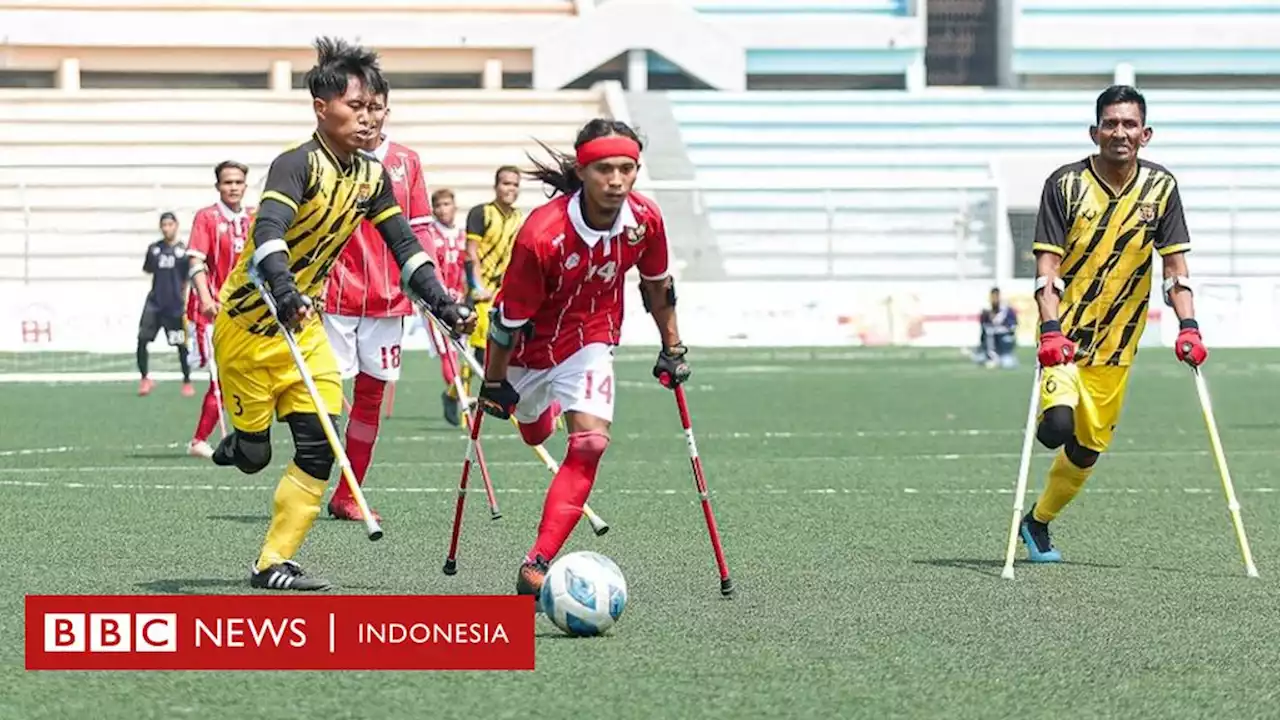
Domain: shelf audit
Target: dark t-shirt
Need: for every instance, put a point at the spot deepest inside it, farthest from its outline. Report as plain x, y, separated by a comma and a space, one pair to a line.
169, 267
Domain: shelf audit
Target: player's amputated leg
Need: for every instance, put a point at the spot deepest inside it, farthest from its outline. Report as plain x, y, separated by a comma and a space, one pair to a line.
362, 435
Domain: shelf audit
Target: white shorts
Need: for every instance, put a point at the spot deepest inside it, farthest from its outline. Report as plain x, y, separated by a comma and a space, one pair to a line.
582, 383
366, 345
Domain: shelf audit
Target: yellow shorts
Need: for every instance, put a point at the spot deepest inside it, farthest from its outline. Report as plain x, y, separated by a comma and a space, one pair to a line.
481, 334
1096, 392
259, 379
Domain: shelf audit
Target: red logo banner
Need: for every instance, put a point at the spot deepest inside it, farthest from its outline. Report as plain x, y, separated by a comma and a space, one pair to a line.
293, 632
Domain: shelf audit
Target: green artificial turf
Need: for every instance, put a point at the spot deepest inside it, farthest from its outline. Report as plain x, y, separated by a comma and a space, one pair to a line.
864, 499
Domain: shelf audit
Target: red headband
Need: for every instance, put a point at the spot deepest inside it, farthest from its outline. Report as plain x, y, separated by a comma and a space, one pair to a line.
611, 146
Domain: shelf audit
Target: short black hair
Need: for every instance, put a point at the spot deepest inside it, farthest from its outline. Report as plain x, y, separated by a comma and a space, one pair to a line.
336, 61
497, 176
1119, 95
229, 165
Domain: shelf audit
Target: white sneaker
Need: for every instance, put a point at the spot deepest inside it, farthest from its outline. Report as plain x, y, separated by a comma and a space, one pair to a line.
199, 448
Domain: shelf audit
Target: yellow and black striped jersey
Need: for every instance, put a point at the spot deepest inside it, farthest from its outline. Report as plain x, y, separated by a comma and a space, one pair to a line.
494, 233
1105, 237
329, 200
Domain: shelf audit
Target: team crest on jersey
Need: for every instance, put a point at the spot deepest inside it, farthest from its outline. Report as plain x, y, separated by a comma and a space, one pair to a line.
1147, 212
396, 173
635, 235
571, 262
364, 191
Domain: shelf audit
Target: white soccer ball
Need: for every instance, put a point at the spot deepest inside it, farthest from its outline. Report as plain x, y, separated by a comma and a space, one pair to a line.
584, 593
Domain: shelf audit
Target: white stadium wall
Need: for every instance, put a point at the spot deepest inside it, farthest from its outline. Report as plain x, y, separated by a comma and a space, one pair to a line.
1235, 312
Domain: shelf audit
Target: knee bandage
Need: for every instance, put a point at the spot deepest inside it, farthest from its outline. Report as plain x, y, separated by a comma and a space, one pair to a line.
311, 451
1056, 427
1079, 455
252, 451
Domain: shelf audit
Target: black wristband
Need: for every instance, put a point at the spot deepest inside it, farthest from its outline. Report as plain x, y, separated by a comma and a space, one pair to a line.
1050, 326
1188, 324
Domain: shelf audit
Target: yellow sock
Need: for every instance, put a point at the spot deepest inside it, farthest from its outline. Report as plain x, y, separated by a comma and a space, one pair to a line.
465, 372
297, 503
1062, 485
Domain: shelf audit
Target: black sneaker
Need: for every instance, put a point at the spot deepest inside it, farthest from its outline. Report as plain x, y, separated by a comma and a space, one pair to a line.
287, 575
530, 578
1035, 535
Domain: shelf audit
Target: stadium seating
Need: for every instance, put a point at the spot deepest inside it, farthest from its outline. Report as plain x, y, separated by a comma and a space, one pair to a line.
1228, 164
85, 175
885, 37
1157, 37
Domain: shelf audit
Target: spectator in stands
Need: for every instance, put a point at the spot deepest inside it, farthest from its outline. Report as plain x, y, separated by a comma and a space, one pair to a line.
167, 264
998, 338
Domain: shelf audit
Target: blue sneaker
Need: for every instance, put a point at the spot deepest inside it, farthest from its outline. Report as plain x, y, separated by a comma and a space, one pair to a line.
1036, 537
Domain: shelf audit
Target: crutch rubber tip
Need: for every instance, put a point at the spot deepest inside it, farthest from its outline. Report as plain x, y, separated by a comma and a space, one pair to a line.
496, 516
1007, 573
726, 587
450, 567
1252, 572
600, 530
375, 536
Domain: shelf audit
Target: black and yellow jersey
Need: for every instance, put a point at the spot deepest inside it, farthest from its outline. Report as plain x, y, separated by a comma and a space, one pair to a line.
494, 233
329, 199
1105, 237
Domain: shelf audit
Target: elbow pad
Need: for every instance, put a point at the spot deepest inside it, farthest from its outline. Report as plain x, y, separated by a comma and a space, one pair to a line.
503, 335
1043, 282
670, 298
1177, 281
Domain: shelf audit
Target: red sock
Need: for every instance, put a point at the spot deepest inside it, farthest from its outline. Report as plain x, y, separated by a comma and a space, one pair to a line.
208, 415
362, 430
568, 492
537, 432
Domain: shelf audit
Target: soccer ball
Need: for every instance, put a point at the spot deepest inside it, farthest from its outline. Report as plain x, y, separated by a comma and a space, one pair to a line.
584, 593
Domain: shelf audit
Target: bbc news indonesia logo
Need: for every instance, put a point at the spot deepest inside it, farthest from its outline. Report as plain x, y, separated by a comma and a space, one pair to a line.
219, 632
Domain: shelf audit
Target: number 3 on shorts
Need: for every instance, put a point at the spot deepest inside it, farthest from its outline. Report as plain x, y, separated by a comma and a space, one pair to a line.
604, 388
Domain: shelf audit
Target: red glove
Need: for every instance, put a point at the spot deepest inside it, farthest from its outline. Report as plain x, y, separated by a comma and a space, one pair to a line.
1189, 348
1055, 348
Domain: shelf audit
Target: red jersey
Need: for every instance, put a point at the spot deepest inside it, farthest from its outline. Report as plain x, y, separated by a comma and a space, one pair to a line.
218, 234
567, 279
365, 280
451, 257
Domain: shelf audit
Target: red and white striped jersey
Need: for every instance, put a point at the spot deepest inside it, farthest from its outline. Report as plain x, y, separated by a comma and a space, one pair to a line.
365, 280
218, 234
567, 279
451, 257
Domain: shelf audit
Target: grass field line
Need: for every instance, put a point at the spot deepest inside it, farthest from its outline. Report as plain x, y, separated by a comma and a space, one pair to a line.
673, 458
614, 491
461, 438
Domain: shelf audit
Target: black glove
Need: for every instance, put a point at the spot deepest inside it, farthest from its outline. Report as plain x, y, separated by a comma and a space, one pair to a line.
289, 303
498, 399
456, 316
671, 369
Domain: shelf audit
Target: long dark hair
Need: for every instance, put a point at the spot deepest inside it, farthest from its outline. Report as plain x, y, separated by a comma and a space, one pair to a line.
561, 173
